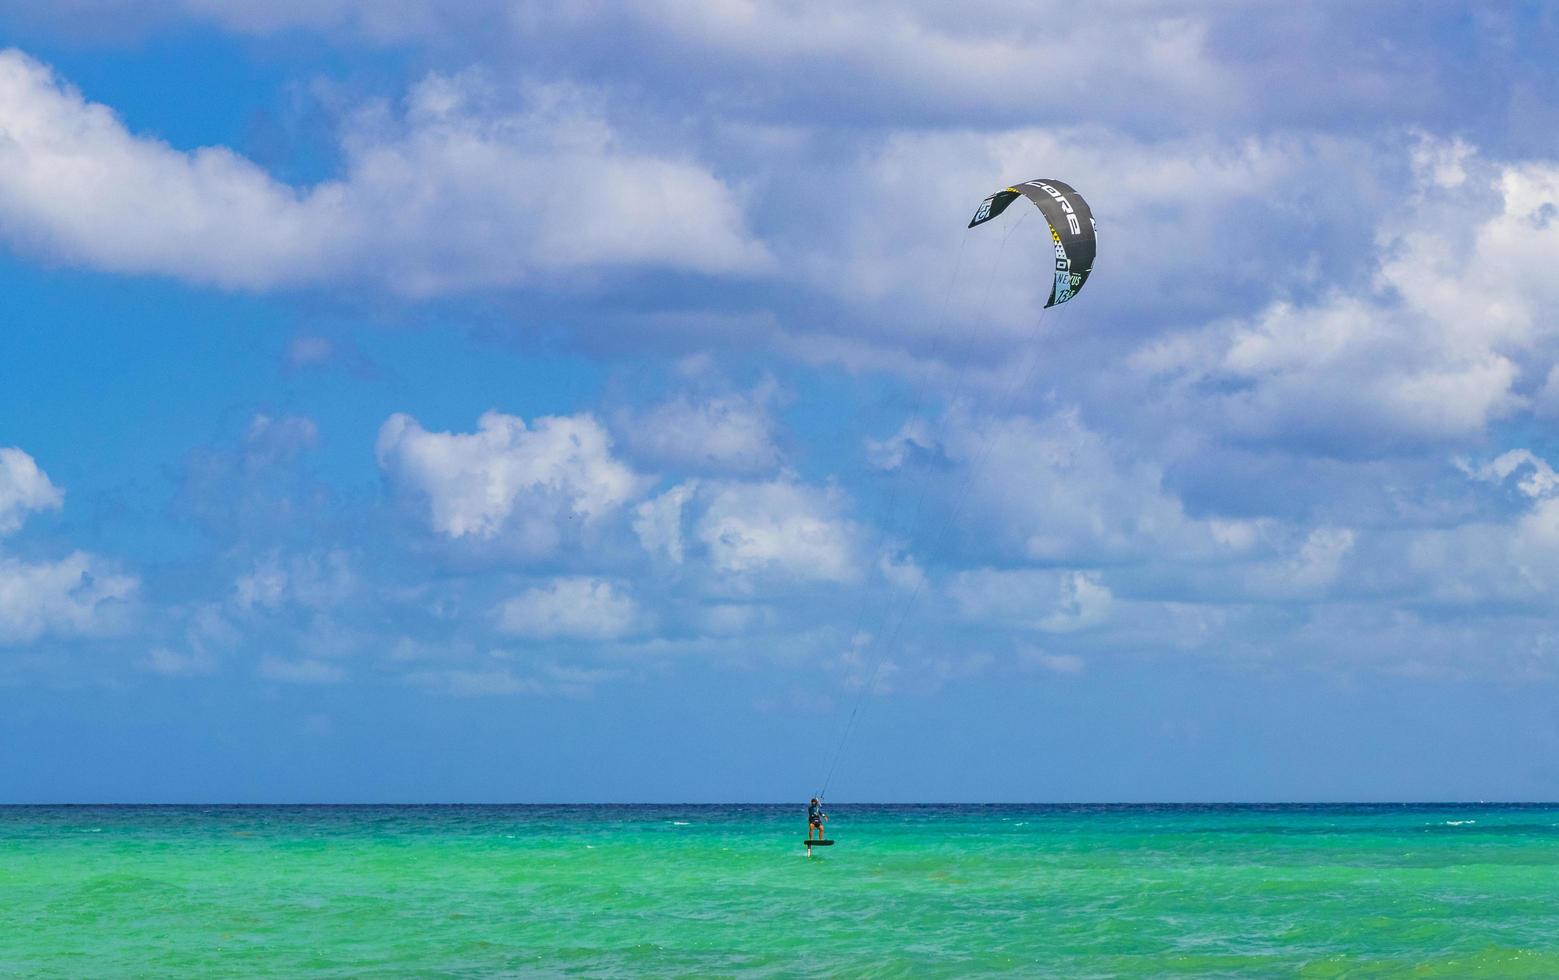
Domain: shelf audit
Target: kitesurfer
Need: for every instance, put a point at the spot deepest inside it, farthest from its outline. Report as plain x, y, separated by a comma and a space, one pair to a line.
815, 819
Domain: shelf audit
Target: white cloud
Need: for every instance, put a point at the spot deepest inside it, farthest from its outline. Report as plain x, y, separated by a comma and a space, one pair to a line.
1436, 351
1355, 370
265, 586
734, 619
1172, 61
571, 608
304, 671
1318, 561
385, 21
1509, 558
461, 191
890, 453
269, 441
79, 595
78, 186
1059, 663
941, 56
305, 351
474, 194
1236, 534
498, 681
1038, 599
778, 528
507, 477
24, 489
1062, 491
918, 46
1178, 224
487, 682
317, 581
208, 637
1538, 479
901, 571
168, 663
658, 521
733, 433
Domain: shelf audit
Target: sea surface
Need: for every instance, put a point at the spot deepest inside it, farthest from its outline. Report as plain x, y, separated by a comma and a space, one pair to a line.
1068, 891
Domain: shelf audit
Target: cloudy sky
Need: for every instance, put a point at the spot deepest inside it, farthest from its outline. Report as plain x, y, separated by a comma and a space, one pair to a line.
548, 401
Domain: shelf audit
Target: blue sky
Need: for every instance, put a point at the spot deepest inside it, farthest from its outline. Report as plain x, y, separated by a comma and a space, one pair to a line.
530, 401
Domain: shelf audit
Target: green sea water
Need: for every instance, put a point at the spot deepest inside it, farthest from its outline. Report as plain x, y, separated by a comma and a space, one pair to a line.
726, 890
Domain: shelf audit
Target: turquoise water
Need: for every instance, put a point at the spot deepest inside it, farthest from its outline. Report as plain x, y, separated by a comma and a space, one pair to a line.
922, 891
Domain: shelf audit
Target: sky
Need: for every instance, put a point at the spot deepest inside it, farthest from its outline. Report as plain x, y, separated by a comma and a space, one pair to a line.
519, 401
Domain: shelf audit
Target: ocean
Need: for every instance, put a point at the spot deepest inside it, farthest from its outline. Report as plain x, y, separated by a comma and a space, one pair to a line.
1054, 891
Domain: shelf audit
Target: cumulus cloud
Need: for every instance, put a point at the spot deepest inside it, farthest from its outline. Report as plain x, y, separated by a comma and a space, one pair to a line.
79, 595
901, 571
1175, 62
1317, 563
732, 433
1537, 479
658, 521
458, 191
24, 489
387, 21
208, 636
1055, 489
571, 608
1039, 599
258, 484
271, 441
316, 580
508, 477
781, 530
1186, 229
79, 186
1354, 371
778, 528
1502, 553
1358, 298
1435, 350
171, 663
891, 453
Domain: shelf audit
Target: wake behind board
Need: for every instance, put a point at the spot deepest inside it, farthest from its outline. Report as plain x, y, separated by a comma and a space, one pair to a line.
818, 843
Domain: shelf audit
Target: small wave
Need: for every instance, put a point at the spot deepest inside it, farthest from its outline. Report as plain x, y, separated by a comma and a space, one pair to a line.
679, 823
1459, 823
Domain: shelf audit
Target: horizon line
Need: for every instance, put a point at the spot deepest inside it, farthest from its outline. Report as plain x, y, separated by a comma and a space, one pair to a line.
801, 802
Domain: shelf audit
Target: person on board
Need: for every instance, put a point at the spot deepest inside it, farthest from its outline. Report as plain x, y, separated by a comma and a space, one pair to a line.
815, 819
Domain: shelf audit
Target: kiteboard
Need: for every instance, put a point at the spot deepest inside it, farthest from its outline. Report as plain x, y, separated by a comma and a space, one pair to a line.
819, 843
